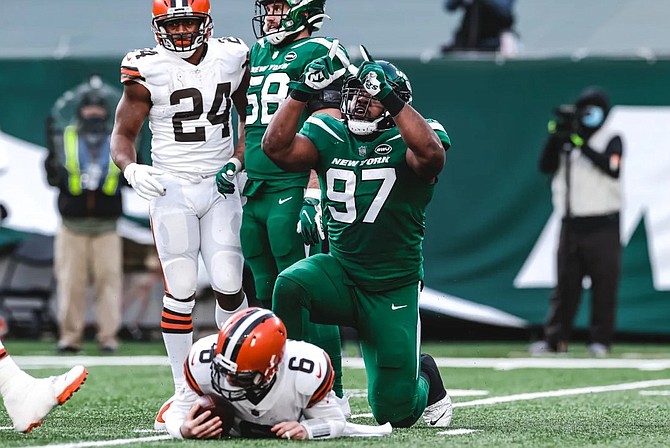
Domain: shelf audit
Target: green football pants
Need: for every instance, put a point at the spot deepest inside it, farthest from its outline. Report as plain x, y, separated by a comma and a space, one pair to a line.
271, 244
387, 323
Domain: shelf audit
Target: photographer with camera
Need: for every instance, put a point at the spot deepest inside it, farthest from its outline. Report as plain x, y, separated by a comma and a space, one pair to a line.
585, 162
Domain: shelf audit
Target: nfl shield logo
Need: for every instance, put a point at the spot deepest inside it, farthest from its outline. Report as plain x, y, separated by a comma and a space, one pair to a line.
362, 150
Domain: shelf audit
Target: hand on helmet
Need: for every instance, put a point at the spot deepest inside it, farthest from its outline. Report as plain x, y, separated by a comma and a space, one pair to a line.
373, 79
310, 224
141, 178
319, 73
226, 176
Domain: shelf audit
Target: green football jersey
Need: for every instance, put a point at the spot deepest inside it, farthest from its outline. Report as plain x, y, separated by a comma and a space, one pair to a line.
271, 70
374, 204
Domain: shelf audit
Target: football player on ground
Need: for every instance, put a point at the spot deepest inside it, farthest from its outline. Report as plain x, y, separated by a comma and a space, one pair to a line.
186, 86
377, 168
29, 400
277, 388
277, 199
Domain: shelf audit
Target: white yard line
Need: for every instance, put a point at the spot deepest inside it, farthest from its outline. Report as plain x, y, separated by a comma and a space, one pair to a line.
554, 393
108, 442
40, 362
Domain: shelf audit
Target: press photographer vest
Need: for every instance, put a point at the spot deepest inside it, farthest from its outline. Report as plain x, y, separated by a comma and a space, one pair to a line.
591, 192
82, 169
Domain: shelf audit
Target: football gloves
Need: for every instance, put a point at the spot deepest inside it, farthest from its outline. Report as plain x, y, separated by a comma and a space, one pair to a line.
319, 73
141, 178
373, 79
310, 225
226, 176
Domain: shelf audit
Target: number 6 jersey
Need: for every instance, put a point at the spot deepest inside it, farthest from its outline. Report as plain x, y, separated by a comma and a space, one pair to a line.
190, 113
301, 388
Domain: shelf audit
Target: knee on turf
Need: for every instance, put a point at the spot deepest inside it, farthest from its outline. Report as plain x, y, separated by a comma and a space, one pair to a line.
394, 403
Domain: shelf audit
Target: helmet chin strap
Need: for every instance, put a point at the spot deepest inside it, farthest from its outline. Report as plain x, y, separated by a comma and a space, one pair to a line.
360, 127
186, 54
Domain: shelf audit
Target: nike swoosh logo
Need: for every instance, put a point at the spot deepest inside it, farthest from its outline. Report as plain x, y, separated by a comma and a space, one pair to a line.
281, 201
306, 216
394, 307
434, 422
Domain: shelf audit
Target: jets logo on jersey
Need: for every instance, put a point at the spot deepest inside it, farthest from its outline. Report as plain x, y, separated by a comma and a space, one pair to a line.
383, 149
292, 56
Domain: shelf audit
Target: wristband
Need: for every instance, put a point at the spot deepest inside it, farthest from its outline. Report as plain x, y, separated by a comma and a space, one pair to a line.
393, 104
236, 162
299, 95
313, 193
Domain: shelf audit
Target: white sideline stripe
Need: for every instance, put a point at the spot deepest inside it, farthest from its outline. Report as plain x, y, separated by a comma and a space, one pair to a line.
539, 363
554, 393
41, 362
108, 442
363, 393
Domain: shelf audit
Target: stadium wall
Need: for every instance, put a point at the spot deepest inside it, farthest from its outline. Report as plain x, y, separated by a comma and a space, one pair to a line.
490, 231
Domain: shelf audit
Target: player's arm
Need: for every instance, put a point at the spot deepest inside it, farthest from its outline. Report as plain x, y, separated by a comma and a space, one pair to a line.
282, 143
181, 420
323, 417
240, 101
425, 152
225, 177
132, 110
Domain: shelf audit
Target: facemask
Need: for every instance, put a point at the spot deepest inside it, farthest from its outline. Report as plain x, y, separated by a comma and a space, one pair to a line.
593, 116
93, 126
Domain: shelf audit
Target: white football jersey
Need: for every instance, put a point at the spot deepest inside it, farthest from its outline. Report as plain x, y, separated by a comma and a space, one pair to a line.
302, 388
190, 116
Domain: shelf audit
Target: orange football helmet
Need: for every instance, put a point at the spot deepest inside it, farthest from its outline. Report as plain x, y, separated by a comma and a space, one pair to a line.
248, 352
184, 44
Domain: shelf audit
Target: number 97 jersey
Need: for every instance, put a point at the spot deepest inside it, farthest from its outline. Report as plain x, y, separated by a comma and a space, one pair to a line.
191, 104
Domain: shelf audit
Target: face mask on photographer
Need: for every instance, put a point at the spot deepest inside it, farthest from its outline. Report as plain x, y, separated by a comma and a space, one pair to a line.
592, 117
93, 126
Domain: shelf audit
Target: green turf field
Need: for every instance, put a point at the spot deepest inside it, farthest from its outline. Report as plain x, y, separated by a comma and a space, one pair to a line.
502, 399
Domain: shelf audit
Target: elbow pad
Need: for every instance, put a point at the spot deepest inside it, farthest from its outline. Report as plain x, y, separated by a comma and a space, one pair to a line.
330, 97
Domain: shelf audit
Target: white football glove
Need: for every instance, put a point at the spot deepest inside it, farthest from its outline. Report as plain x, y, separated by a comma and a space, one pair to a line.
141, 178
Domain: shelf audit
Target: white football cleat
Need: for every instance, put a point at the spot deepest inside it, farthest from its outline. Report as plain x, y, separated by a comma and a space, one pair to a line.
439, 409
159, 423
438, 414
30, 399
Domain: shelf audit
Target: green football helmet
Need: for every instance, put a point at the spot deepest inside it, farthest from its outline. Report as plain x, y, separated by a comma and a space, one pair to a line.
302, 14
356, 101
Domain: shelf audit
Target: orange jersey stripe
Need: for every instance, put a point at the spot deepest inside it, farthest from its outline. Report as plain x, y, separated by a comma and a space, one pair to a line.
130, 74
190, 380
326, 385
3, 353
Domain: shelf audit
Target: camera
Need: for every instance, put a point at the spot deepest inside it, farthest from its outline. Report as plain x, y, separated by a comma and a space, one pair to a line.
566, 117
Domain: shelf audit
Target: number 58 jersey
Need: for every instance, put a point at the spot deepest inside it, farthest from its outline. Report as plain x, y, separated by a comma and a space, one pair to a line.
191, 104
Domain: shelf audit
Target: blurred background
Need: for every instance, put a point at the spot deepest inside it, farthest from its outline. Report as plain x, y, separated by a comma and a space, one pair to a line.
491, 234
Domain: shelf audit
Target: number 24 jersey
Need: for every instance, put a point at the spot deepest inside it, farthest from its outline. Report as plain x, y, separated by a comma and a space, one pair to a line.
191, 104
